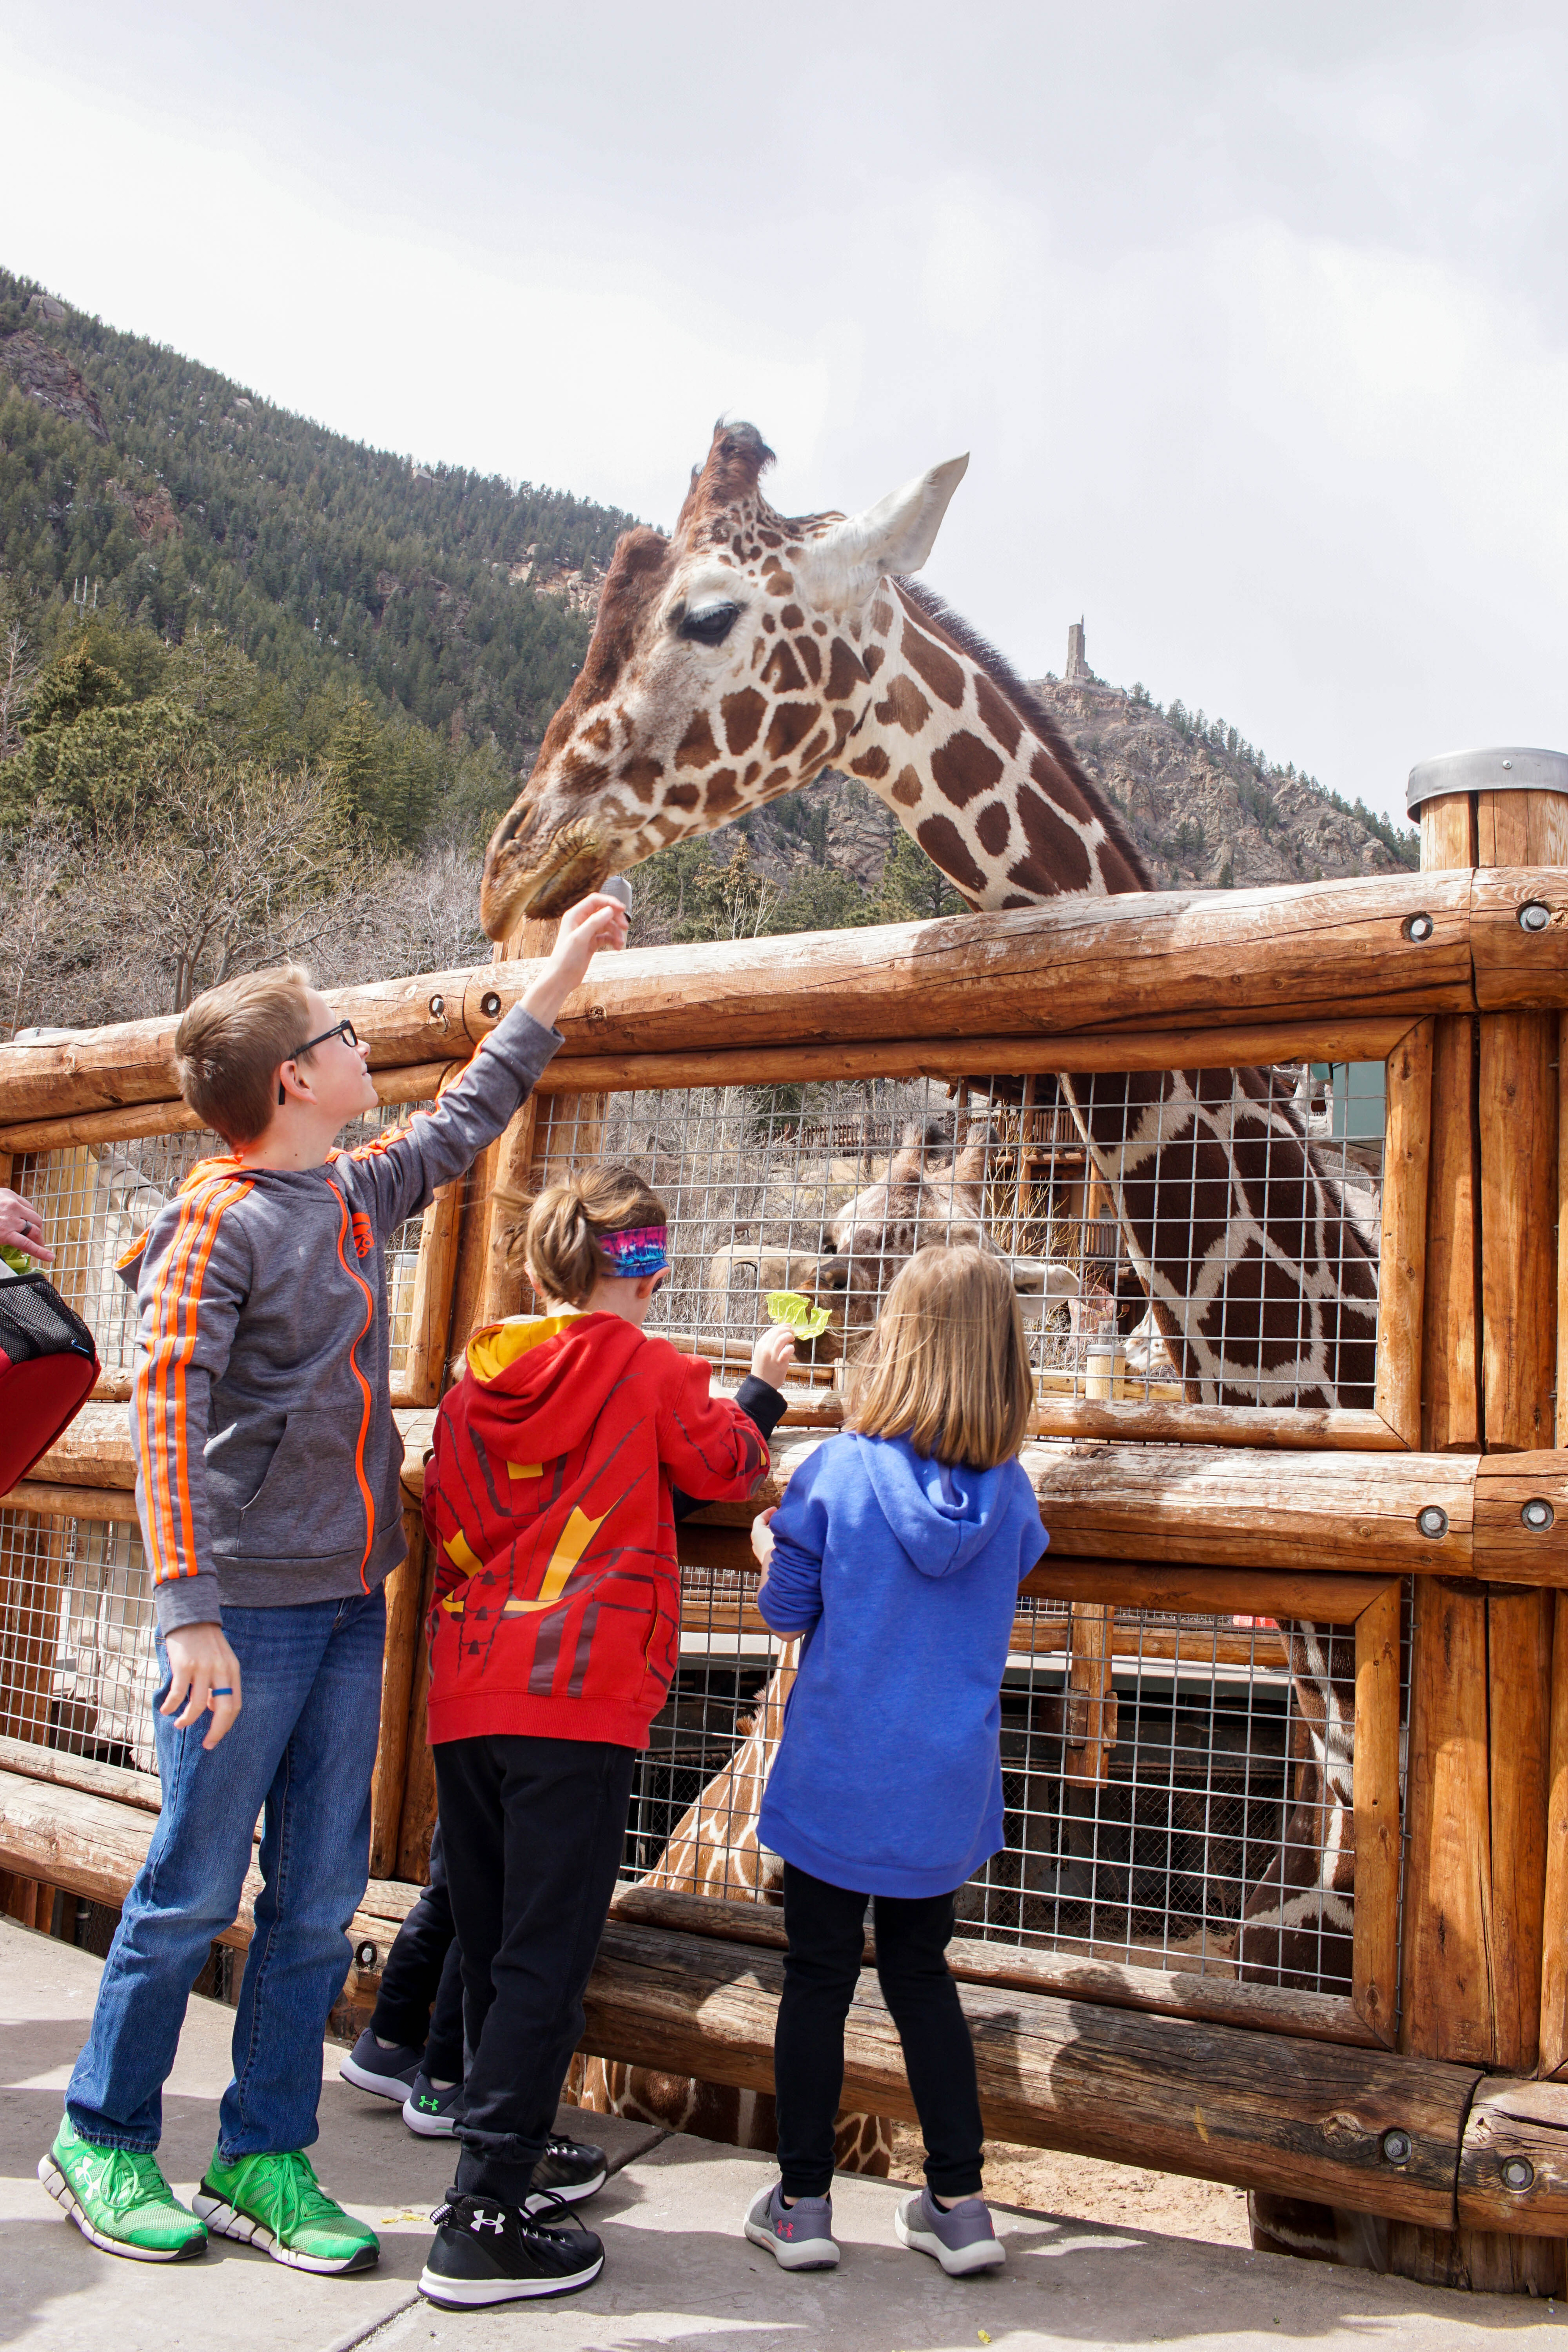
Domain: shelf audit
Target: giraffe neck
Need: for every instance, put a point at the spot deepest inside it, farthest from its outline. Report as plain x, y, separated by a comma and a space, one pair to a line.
957, 748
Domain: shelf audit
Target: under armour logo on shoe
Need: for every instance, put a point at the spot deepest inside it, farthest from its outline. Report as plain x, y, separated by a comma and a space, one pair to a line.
429, 2102
495, 2221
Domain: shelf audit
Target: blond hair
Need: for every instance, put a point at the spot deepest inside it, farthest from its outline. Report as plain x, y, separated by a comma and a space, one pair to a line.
948, 1366
567, 1222
228, 1046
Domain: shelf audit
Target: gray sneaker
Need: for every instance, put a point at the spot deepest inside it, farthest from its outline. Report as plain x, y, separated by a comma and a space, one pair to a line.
432, 2114
799, 2236
961, 2240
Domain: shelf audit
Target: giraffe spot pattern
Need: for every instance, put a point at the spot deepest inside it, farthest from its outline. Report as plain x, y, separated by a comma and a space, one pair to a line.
683, 796
945, 846
997, 714
791, 722
642, 774
722, 794
809, 654
992, 826
873, 657
963, 767
907, 789
697, 748
903, 705
846, 671
743, 714
781, 671
871, 764
1057, 859
583, 775
792, 617
940, 671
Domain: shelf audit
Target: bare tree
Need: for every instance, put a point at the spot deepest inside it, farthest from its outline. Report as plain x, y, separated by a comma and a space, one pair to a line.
18, 673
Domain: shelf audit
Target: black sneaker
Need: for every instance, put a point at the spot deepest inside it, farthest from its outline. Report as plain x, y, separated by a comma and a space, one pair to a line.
432, 2114
488, 2253
568, 2173
384, 2074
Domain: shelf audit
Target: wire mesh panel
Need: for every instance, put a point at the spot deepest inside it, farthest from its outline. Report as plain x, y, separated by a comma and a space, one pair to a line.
77, 1668
1179, 1817
1170, 1235
97, 1198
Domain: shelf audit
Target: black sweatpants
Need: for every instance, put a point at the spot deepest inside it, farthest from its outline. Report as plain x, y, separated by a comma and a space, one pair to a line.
826, 1926
533, 1831
420, 2002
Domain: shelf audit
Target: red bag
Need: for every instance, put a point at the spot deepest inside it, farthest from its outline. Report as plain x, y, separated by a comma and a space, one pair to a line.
48, 1366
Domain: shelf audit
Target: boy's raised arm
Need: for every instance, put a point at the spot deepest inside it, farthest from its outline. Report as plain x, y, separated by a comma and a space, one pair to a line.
402, 1171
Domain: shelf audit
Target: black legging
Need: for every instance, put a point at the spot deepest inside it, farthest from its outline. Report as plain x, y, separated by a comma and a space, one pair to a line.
425, 1966
826, 1927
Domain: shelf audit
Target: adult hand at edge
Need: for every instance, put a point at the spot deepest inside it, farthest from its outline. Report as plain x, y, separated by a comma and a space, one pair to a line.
22, 1227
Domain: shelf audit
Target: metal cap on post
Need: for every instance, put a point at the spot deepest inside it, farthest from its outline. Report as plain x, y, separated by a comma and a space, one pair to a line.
1510, 767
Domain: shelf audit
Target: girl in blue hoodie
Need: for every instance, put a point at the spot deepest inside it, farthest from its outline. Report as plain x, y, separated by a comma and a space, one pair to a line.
896, 1553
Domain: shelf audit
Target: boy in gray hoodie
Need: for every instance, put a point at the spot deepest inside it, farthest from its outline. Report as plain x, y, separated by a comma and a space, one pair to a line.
266, 1485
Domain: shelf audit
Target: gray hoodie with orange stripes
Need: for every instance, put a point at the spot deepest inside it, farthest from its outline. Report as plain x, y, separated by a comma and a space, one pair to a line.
266, 1456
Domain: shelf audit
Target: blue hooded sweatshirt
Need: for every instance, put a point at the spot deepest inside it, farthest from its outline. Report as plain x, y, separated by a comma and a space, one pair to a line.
902, 1572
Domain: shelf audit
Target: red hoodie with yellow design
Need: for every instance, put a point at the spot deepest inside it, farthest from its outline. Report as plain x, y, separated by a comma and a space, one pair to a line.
557, 1609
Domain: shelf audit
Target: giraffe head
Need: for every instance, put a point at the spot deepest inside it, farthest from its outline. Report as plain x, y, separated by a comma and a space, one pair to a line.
933, 1197
727, 667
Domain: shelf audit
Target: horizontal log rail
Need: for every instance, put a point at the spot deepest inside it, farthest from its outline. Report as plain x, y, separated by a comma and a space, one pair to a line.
1214, 2101
1504, 1517
171, 1116
1177, 2075
1277, 960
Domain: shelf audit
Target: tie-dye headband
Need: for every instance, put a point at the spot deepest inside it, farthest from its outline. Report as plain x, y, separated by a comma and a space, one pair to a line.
639, 1249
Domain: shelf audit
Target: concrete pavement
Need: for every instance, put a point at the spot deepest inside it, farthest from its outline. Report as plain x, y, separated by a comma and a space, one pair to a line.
678, 2271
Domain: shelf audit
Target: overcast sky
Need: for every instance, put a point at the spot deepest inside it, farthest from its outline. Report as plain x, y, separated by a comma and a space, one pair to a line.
1253, 318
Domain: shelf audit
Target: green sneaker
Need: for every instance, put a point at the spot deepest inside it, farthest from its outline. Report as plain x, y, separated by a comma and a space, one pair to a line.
278, 2203
120, 2201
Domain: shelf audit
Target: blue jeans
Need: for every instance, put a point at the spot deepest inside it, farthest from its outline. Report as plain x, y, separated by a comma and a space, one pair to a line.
302, 1749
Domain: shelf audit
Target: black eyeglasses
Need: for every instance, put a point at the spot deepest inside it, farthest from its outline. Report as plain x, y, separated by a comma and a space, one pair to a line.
344, 1029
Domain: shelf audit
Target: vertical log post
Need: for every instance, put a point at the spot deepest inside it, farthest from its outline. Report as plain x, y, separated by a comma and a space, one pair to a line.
1554, 2059
403, 1590
1375, 1962
1481, 1703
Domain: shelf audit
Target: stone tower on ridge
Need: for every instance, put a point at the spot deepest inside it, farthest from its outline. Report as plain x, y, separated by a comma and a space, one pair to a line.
1077, 665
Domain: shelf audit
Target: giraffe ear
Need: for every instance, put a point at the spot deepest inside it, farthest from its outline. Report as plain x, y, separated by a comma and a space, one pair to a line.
843, 567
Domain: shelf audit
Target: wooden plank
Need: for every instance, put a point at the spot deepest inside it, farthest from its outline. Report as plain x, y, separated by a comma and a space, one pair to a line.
1235, 1044
1263, 2112
1449, 836
113, 1504
404, 1590
1090, 1726
1214, 1425
1517, 968
1375, 1940
1560, 1433
505, 1283
417, 1083
1450, 1335
1402, 1260
1299, 954
1554, 2057
1445, 2007
1513, 2162
94, 1846
60, 1768
1519, 1688
1354, 1513
94, 1454
1518, 1116
1165, 1992
1527, 828
1507, 1546
425, 1365
1323, 1597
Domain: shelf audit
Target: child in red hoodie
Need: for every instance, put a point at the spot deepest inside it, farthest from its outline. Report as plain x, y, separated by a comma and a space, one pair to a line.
555, 1635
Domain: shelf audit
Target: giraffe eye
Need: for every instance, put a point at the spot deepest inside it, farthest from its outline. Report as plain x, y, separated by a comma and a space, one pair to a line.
708, 625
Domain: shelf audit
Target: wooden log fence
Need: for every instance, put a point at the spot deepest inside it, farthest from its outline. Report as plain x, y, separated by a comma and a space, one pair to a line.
1434, 2094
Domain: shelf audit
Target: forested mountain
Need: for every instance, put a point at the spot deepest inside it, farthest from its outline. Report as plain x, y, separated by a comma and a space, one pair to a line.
264, 691
186, 498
